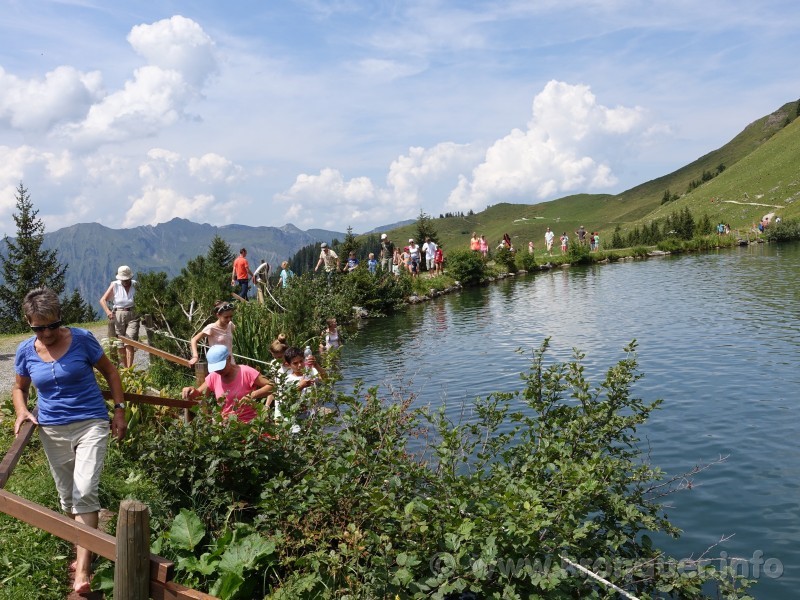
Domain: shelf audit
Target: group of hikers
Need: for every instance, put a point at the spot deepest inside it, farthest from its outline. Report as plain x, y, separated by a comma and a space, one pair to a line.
411, 258
480, 244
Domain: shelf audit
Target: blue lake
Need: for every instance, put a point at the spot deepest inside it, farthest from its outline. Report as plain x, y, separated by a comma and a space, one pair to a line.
718, 339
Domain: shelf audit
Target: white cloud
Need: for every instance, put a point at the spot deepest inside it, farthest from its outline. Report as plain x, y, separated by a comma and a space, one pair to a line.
214, 168
160, 204
181, 58
563, 150
176, 44
36, 104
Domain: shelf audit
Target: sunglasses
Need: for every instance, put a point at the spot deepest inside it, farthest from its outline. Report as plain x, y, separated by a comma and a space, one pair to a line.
225, 308
51, 326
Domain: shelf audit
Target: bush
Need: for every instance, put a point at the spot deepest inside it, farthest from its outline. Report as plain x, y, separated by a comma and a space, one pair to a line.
345, 507
465, 266
784, 231
505, 260
526, 261
578, 254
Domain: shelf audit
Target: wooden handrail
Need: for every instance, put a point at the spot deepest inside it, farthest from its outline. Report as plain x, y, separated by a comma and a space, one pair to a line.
11, 458
157, 400
155, 351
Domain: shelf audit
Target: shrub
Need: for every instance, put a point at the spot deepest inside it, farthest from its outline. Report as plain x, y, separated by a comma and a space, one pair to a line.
526, 261
784, 231
505, 260
465, 266
578, 254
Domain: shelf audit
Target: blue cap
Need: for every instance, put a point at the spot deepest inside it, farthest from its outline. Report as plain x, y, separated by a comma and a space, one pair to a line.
217, 357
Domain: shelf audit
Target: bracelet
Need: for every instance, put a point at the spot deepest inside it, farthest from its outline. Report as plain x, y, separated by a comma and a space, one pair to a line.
119, 405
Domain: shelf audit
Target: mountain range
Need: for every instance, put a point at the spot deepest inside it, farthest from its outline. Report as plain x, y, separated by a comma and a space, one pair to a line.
93, 251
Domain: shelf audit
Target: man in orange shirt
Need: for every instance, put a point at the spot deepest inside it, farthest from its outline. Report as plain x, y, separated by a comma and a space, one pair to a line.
241, 273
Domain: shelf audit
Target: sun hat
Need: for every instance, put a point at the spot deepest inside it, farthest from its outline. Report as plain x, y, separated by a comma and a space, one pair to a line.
323, 245
383, 236
411, 240
124, 273
217, 357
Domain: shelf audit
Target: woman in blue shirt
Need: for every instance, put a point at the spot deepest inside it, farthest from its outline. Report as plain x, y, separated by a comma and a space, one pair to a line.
72, 414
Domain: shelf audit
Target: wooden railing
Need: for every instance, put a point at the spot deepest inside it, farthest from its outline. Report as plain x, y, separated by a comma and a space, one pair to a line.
130, 548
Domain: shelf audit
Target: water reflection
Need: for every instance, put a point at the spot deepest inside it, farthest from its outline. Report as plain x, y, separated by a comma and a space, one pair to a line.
718, 338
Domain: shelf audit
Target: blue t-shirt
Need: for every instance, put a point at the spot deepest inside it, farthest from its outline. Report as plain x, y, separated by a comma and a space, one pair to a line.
67, 388
372, 265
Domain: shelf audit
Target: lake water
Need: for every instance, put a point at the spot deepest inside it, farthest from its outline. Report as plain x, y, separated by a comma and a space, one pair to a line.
718, 339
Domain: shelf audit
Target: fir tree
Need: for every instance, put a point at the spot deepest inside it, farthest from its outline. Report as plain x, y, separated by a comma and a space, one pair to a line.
425, 229
26, 265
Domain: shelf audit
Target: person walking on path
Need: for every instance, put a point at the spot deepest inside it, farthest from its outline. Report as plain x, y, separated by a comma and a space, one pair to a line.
261, 279
581, 233
387, 252
126, 321
242, 274
329, 258
72, 413
548, 240
220, 332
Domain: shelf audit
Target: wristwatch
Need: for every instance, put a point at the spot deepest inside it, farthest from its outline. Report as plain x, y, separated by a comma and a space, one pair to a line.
119, 405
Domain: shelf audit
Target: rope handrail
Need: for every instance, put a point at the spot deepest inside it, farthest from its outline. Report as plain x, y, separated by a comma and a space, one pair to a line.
597, 578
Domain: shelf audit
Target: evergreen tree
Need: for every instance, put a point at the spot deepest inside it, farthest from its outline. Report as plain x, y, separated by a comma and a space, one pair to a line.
350, 244
26, 265
220, 257
425, 229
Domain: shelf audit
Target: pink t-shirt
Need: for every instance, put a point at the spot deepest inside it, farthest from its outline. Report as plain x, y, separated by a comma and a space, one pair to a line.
242, 384
218, 335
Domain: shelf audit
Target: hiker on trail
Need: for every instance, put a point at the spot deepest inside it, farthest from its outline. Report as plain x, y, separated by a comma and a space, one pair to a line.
484, 246
372, 263
218, 332
352, 262
548, 240
241, 273
286, 274
235, 385
475, 242
329, 258
387, 252
564, 242
73, 416
126, 321
413, 258
429, 248
261, 279
581, 233
439, 261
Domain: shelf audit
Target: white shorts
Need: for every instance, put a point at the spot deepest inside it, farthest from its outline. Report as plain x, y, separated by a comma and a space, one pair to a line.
76, 453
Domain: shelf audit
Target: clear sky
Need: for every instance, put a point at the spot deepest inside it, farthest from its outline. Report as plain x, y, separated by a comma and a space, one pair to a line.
339, 113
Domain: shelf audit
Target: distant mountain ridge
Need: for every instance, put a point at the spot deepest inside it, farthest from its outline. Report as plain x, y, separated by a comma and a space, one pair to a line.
93, 251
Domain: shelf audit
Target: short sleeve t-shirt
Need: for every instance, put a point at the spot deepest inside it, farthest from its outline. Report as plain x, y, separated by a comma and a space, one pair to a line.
67, 388
241, 268
233, 391
218, 335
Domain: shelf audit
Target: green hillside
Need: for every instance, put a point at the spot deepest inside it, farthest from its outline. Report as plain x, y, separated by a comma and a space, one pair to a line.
761, 175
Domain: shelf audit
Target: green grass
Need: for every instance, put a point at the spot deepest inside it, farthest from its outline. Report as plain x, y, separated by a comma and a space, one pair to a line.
37, 567
761, 168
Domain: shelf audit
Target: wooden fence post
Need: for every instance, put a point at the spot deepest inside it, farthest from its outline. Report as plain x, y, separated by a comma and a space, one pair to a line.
132, 569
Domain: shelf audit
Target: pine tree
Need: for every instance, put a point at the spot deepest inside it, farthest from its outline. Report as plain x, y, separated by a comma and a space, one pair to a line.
26, 265
425, 229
